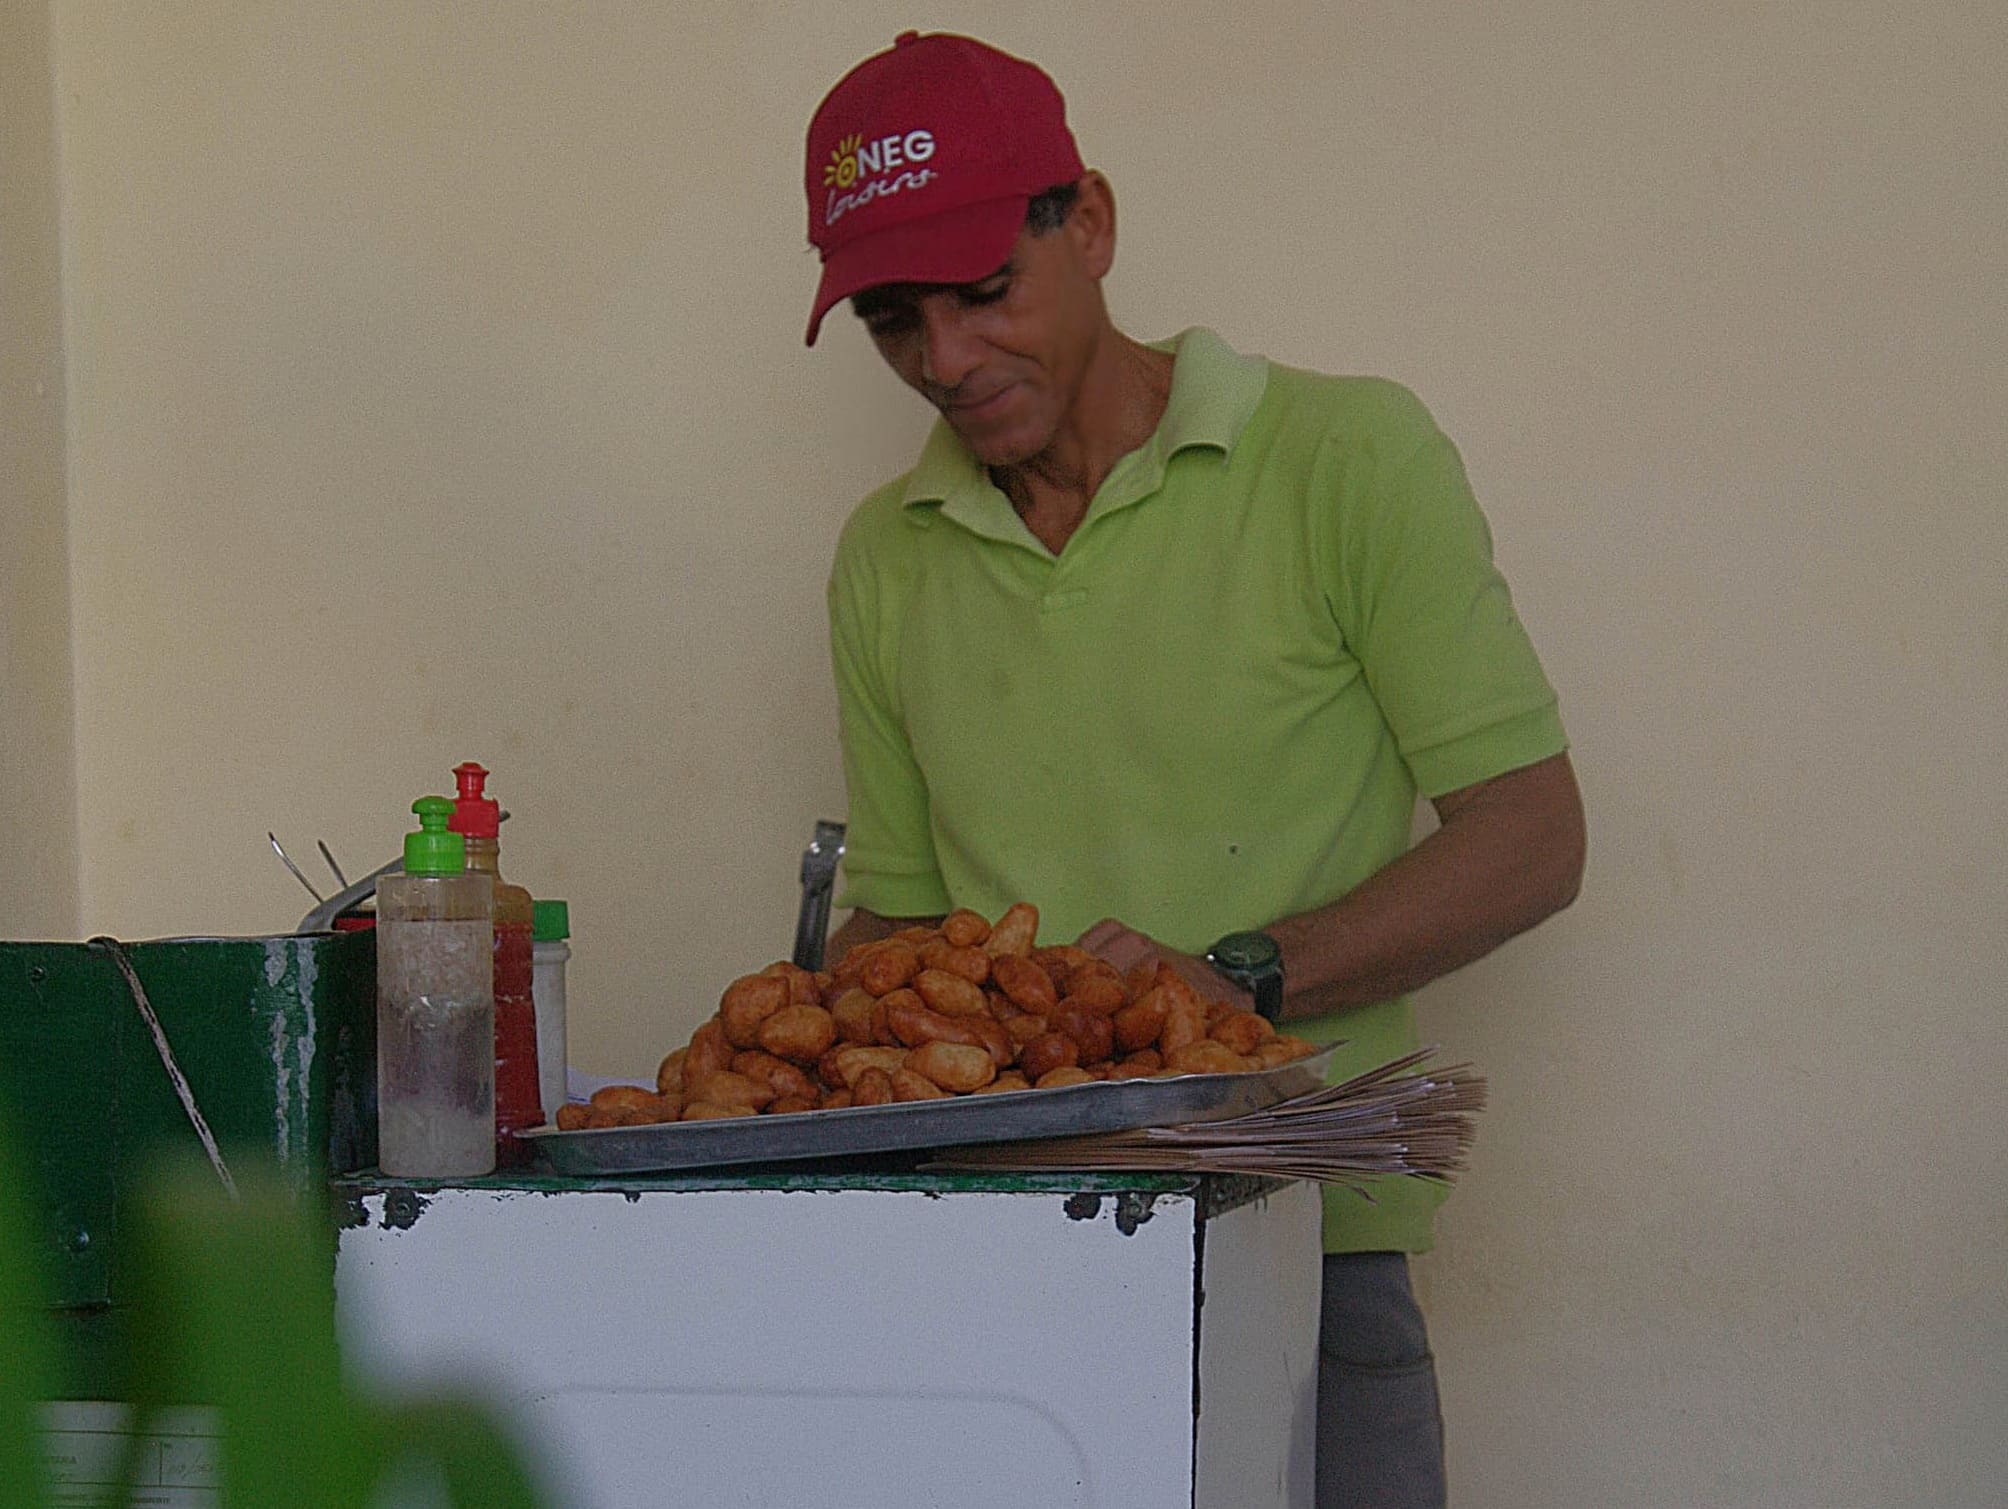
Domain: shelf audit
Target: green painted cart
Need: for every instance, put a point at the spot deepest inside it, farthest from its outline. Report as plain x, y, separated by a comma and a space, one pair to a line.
272, 1042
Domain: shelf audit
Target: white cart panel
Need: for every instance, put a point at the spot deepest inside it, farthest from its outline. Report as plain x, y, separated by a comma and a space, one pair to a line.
859, 1346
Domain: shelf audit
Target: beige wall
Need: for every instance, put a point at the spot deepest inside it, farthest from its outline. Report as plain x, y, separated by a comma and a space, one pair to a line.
1711, 295
38, 802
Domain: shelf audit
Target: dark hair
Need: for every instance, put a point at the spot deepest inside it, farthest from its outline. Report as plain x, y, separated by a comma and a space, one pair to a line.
1049, 209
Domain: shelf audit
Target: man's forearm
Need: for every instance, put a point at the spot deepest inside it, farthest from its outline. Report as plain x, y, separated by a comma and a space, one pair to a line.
1508, 854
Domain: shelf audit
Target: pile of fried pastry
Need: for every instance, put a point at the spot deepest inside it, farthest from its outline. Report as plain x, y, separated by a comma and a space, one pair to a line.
963, 1008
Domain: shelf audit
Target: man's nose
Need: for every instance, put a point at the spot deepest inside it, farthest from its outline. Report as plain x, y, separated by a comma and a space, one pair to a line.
948, 350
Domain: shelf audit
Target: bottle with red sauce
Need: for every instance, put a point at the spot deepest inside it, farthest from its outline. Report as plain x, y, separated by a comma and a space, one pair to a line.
478, 818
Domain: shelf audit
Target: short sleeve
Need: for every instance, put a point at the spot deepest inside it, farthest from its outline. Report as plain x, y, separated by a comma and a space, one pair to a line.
1427, 613
889, 862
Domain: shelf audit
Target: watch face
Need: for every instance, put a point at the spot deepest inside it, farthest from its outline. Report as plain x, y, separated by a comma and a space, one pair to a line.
1246, 951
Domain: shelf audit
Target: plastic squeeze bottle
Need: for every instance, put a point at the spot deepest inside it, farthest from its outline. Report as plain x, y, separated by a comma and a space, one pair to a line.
518, 1106
435, 1008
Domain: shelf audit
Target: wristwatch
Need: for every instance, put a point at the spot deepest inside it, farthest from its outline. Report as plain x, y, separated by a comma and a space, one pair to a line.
1255, 963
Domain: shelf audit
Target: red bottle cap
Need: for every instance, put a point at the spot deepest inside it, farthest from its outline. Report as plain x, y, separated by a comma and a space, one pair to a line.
474, 815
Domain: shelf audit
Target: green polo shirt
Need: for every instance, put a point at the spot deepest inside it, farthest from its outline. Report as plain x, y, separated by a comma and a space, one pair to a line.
1278, 622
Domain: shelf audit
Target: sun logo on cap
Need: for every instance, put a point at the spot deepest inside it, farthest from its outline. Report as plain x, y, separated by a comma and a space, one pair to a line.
842, 168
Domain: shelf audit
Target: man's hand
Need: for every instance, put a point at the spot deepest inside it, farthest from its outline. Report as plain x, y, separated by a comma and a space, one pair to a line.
1125, 948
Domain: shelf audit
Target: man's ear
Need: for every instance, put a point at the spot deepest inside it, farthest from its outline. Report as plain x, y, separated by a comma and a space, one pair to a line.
1092, 225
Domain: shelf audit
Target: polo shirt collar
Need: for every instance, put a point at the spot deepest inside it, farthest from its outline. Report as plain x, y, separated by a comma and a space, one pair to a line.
1214, 392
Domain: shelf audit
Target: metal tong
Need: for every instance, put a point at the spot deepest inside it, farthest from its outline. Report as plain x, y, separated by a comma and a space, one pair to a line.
819, 879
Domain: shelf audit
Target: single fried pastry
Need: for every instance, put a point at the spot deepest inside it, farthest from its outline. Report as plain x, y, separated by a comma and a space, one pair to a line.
1206, 1057
1028, 986
953, 1066
749, 1001
1014, 932
964, 928
1060, 1078
910, 1084
802, 1034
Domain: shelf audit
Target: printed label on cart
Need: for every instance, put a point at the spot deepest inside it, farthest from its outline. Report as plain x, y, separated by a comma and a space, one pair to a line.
180, 1455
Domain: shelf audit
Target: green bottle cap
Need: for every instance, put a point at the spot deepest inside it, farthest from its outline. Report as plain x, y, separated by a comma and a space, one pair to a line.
550, 921
432, 850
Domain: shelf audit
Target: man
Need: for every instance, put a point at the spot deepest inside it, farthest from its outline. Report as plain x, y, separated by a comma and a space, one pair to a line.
1165, 640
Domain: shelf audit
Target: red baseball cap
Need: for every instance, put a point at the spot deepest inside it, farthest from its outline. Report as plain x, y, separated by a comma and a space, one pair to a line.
922, 160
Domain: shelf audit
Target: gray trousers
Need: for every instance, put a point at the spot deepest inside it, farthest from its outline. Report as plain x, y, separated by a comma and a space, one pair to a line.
1380, 1430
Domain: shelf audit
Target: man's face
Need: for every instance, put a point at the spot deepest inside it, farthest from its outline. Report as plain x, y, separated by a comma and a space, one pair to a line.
1001, 358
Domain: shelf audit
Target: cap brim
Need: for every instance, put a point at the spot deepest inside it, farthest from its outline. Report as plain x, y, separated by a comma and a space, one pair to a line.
960, 245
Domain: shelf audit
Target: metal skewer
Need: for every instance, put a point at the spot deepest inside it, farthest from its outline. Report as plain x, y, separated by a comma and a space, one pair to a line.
341, 880
287, 860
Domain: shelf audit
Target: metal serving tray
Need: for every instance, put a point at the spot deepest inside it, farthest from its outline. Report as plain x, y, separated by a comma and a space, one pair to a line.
1008, 1116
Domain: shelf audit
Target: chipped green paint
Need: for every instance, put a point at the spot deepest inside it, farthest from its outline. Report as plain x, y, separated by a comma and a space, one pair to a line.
1132, 1198
1224, 1192
277, 1039
894, 1181
1133, 1207
402, 1208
